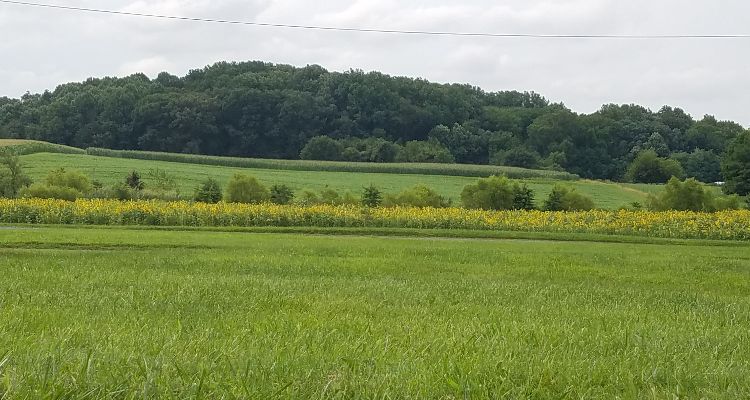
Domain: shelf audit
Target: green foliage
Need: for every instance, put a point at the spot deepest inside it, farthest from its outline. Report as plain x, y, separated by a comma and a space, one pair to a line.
497, 193
518, 157
648, 167
523, 198
245, 189
371, 196
425, 152
133, 180
565, 198
159, 179
283, 112
703, 165
73, 179
281, 194
45, 191
12, 177
691, 195
418, 196
330, 196
322, 148
736, 166
209, 191
308, 198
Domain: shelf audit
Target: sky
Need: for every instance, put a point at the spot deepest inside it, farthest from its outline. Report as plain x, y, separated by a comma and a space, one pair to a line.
41, 48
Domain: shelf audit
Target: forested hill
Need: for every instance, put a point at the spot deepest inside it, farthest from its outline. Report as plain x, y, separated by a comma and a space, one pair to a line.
273, 111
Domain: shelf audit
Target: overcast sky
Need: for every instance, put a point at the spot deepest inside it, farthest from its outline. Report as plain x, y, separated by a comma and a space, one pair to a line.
41, 48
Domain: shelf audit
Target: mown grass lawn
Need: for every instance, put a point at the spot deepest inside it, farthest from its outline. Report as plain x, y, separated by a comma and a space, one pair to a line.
112, 313
189, 176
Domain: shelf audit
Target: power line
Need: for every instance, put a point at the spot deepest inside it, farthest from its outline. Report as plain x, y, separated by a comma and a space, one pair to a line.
375, 30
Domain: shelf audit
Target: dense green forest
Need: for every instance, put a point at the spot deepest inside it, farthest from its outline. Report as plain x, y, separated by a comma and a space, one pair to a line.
264, 110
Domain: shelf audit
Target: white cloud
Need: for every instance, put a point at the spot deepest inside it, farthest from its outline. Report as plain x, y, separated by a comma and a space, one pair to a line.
42, 48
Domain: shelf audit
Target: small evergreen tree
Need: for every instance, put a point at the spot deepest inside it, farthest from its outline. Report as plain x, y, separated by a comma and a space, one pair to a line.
281, 194
371, 196
134, 181
208, 192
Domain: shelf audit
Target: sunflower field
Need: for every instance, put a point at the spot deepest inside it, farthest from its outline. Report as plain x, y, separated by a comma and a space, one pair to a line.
733, 225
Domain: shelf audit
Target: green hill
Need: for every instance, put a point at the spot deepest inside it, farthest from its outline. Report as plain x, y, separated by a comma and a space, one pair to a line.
109, 170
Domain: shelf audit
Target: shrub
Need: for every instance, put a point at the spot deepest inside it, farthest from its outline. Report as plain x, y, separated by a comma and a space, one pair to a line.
208, 192
281, 194
12, 178
330, 196
42, 191
69, 179
497, 193
308, 198
691, 195
648, 167
564, 198
425, 152
371, 196
322, 148
134, 181
161, 180
245, 189
418, 196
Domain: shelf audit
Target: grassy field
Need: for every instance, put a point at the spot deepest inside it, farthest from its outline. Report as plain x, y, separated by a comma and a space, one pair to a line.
111, 313
111, 170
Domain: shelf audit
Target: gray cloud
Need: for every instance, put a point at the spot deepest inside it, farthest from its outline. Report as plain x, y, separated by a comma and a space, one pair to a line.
42, 48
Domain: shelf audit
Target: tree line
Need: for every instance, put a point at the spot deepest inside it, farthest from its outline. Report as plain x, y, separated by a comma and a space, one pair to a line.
256, 109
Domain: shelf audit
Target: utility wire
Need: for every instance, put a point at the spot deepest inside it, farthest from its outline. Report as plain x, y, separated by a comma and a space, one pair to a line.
375, 30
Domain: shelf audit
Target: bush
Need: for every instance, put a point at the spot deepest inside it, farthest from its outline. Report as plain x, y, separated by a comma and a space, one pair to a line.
330, 196
418, 196
518, 157
42, 191
322, 148
308, 198
371, 196
497, 193
246, 189
208, 192
648, 167
12, 178
281, 194
134, 181
69, 179
564, 198
691, 195
425, 152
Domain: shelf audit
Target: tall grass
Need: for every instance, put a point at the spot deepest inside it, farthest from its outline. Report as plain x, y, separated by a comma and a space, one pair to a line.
338, 166
21, 147
133, 314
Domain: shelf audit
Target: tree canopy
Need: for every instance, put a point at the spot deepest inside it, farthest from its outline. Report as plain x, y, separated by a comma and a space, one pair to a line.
258, 109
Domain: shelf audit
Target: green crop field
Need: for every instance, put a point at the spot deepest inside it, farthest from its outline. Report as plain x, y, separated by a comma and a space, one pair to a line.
112, 170
112, 313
